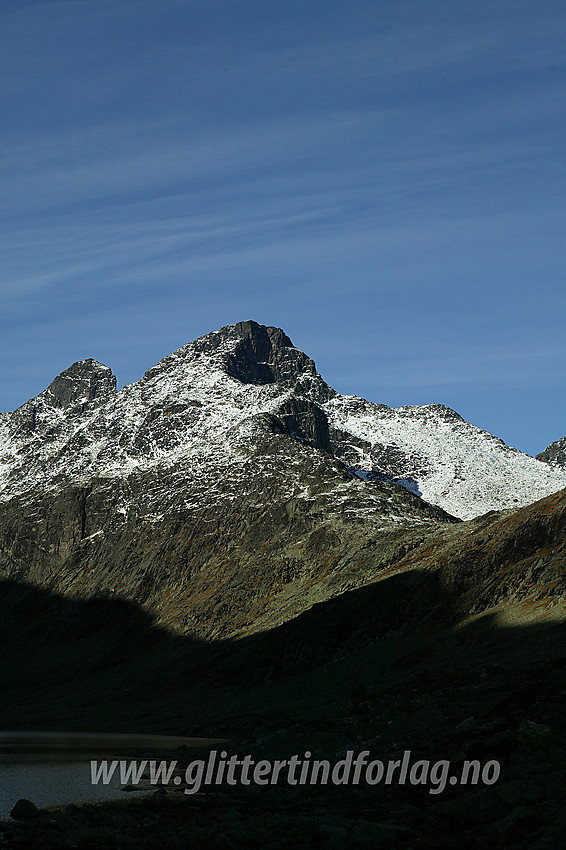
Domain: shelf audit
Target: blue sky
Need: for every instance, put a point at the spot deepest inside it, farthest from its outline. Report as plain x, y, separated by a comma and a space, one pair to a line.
384, 180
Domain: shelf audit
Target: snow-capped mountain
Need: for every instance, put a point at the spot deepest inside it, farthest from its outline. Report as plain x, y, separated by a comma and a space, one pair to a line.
204, 405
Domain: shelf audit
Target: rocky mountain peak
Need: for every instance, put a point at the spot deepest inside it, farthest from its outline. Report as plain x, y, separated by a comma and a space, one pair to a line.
85, 384
250, 353
83, 381
258, 354
436, 410
265, 355
555, 453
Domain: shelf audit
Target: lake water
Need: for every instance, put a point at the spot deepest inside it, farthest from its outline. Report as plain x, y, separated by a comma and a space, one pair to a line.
54, 768
51, 784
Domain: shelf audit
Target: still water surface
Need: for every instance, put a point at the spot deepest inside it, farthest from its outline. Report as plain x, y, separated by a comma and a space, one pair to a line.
54, 768
51, 784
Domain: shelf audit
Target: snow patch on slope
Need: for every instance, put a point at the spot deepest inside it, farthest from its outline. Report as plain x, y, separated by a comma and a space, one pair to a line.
450, 463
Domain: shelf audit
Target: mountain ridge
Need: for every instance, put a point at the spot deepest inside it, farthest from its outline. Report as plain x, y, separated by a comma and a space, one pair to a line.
222, 390
555, 453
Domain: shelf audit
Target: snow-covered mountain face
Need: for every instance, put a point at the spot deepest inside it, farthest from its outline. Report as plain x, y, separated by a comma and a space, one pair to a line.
201, 406
435, 453
555, 453
204, 408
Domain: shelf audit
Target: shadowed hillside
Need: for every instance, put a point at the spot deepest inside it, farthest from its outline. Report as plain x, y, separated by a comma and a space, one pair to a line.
230, 548
399, 663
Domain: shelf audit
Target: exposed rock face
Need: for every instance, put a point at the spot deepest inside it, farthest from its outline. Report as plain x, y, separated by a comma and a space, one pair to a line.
82, 382
304, 420
555, 453
82, 386
265, 355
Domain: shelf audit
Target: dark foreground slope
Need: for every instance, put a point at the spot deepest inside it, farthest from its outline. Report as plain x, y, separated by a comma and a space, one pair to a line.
455, 650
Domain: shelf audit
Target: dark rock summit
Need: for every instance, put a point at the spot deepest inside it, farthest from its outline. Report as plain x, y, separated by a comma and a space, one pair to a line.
555, 453
252, 354
84, 381
263, 355
84, 385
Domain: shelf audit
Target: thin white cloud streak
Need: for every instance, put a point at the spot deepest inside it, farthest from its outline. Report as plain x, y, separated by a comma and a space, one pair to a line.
75, 255
279, 233
152, 149
134, 156
396, 179
387, 53
249, 148
396, 58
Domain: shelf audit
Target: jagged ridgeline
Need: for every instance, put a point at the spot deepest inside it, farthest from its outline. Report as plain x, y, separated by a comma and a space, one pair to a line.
231, 488
555, 453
